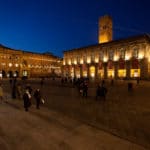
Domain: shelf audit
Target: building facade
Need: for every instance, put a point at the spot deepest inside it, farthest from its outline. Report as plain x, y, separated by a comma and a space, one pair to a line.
18, 63
124, 58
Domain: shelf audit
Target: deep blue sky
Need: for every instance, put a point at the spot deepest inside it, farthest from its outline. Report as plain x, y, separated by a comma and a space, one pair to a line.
58, 25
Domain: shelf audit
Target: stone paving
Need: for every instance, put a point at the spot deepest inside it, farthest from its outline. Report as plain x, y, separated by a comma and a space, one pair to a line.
123, 114
45, 129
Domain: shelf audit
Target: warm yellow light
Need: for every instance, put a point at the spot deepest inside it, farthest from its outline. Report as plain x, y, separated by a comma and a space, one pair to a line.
10, 64
88, 60
81, 61
69, 62
116, 58
64, 63
141, 55
96, 60
105, 59
127, 57
16, 65
75, 62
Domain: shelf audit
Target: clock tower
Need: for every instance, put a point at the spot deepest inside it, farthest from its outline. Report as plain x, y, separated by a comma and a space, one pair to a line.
105, 29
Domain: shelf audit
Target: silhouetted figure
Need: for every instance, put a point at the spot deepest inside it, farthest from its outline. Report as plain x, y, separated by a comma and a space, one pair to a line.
130, 86
19, 90
1, 93
27, 99
101, 92
42, 82
85, 89
37, 96
28, 87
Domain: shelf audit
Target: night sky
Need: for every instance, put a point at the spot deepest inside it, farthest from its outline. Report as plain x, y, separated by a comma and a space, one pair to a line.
58, 25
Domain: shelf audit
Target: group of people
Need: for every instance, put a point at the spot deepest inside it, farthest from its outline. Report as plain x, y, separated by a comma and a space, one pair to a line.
101, 90
26, 93
27, 96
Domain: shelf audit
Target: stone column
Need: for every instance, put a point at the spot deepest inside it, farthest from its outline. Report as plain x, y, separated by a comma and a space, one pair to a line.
81, 74
96, 71
105, 71
116, 70
144, 68
128, 67
88, 70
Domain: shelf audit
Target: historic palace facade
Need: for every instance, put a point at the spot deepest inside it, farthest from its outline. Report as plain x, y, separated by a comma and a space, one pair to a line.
18, 63
124, 58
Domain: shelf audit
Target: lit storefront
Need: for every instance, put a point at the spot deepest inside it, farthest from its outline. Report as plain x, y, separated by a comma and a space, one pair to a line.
135, 71
77, 71
122, 68
100, 70
122, 62
72, 71
121, 58
18, 63
84, 70
92, 71
110, 70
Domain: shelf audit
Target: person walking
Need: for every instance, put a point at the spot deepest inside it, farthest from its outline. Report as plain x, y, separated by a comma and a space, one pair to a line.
85, 89
101, 92
98, 91
37, 96
27, 99
1, 93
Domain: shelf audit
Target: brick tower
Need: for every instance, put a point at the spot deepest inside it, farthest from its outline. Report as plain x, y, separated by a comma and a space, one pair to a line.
105, 33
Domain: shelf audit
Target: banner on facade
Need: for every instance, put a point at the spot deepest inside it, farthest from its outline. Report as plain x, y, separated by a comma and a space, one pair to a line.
84, 67
121, 64
110, 64
135, 63
100, 65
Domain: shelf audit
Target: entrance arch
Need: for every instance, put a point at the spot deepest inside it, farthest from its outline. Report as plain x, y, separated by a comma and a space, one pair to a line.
92, 71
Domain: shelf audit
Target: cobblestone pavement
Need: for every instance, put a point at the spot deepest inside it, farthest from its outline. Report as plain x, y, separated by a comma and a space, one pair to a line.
123, 114
45, 129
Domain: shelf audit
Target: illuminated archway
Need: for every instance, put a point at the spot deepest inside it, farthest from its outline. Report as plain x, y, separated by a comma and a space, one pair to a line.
92, 71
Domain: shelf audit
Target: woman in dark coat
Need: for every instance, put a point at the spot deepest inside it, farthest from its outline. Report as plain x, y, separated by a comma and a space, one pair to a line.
27, 100
37, 96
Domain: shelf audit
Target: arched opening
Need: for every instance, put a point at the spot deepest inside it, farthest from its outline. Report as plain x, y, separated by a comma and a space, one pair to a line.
92, 71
